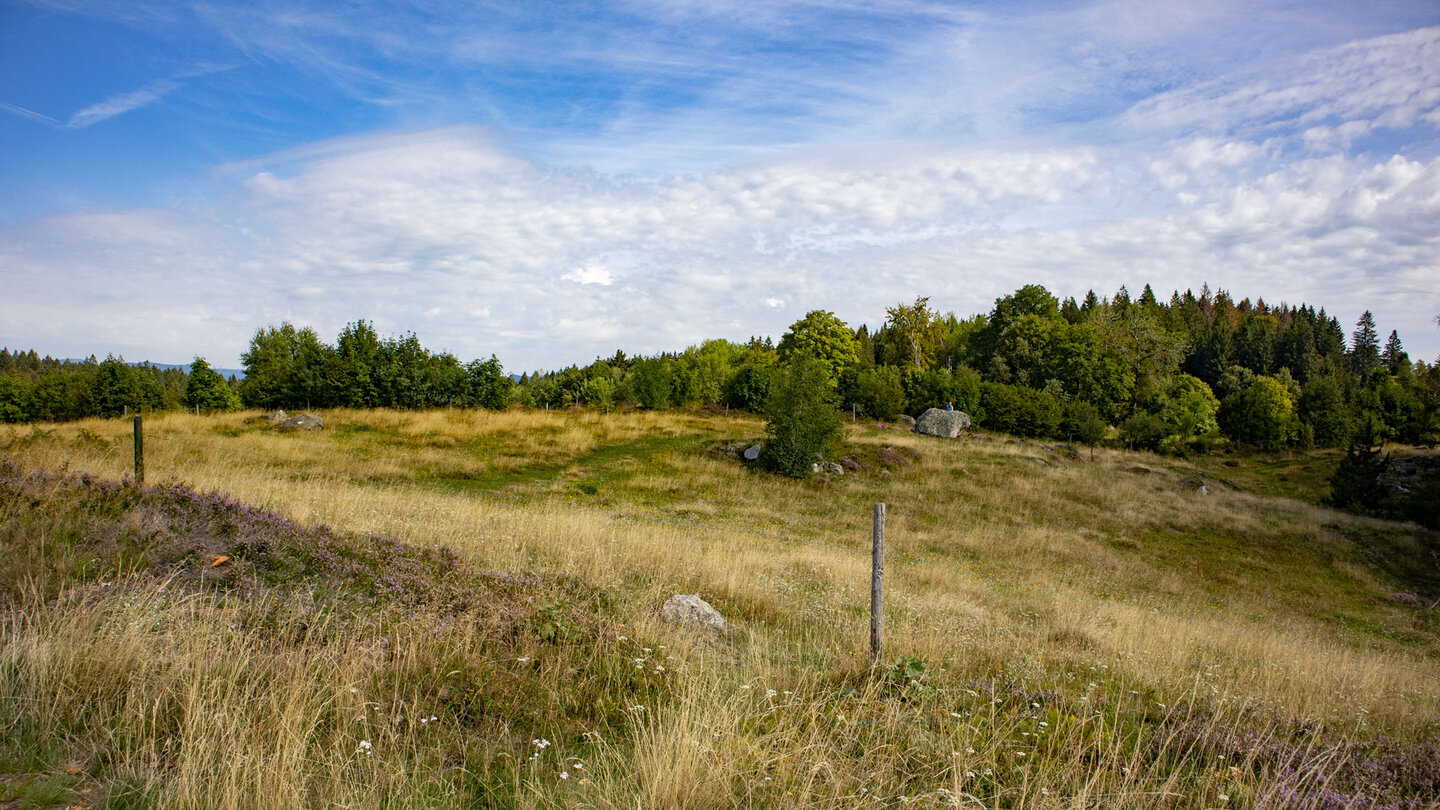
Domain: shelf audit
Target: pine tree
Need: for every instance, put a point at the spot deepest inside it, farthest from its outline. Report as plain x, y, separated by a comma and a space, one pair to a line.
1365, 347
1394, 357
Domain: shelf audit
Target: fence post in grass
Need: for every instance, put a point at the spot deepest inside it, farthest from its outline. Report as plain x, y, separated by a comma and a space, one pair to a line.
877, 585
139, 452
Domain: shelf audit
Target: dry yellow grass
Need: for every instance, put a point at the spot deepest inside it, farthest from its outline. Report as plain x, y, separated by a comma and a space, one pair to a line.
998, 565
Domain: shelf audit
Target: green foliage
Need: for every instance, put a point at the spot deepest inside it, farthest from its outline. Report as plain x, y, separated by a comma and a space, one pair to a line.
803, 424
913, 335
939, 388
1143, 431
1356, 485
1020, 411
651, 382
1324, 408
208, 391
1082, 422
487, 385
825, 338
876, 392
750, 388
1261, 414
1188, 408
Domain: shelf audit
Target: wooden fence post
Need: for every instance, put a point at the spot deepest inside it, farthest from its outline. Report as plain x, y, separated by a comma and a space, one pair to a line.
877, 586
139, 452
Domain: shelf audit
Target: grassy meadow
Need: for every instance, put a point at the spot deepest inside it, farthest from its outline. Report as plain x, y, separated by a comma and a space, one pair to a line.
460, 609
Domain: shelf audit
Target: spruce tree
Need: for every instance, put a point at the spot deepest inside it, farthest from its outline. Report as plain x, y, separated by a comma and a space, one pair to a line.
1365, 347
1394, 357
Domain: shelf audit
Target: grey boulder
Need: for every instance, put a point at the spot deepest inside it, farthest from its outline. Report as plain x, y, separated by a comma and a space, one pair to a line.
948, 424
303, 421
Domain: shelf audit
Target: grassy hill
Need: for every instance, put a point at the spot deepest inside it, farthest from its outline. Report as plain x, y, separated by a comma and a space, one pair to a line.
460, 609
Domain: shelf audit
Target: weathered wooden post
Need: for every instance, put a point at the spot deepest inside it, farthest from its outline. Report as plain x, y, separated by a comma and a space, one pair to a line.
877, 585
139, 452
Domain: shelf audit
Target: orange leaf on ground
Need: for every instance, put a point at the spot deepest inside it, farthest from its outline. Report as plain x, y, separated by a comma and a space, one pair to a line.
218, 560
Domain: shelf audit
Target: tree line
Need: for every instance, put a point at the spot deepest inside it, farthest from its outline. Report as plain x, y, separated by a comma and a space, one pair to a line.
1172, 376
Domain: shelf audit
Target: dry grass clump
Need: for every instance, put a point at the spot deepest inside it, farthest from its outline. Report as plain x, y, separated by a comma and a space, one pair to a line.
1063, 633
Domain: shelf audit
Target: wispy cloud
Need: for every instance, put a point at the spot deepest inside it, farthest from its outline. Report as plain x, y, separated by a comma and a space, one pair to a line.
122, 103
30, 114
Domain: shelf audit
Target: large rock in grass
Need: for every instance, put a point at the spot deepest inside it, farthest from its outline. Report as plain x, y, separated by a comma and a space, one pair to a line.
692, 611
303, 421
948, 424
752, 452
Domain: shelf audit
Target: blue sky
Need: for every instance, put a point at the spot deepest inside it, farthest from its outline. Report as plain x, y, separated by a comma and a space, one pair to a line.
552, 181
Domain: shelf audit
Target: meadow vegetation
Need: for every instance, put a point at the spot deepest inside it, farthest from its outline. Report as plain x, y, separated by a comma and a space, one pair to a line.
459, 608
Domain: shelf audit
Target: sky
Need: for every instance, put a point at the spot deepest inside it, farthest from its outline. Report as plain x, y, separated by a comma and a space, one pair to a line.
552, 181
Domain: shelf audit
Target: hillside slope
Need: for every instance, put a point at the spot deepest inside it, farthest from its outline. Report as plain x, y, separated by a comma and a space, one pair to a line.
1061, 632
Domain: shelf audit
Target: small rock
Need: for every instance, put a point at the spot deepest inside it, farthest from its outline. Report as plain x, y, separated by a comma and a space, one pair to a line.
834, 469
752, 452
1139, 469
890, 458
690, 609
907, 421
1203, 490
1040, 461
277, 417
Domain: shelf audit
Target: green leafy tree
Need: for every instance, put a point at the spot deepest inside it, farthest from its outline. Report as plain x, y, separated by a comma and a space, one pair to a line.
1261, 414
207, 390
489, 386
357, 353
1189, 407
1324, 407
824, 337
750, 388
1082, 422
803, 424
875, 392
268, 363
914, 334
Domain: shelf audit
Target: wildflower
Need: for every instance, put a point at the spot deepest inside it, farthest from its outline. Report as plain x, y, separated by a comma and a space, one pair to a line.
622, 638
364, 746
1224, 798
541, 743
564, 774
769, 693
579, 766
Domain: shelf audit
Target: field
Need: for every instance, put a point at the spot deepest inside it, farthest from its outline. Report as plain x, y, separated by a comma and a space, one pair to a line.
1061, 632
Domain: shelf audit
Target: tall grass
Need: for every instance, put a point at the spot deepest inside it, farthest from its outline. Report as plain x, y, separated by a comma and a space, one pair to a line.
1084, 635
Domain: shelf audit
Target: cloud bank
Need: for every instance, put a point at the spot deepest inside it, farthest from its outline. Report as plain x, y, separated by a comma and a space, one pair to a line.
1312, 179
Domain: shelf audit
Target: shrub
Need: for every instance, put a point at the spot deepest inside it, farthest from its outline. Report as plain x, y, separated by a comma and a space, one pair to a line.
804, 425
876, 392
1020, 411
1143, 431
939, 388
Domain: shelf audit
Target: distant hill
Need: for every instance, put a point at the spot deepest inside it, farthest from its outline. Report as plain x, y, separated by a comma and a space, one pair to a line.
237, 373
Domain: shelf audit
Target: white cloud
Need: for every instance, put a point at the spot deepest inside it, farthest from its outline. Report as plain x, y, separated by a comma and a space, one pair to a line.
122, 103
590, 274
424, 231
